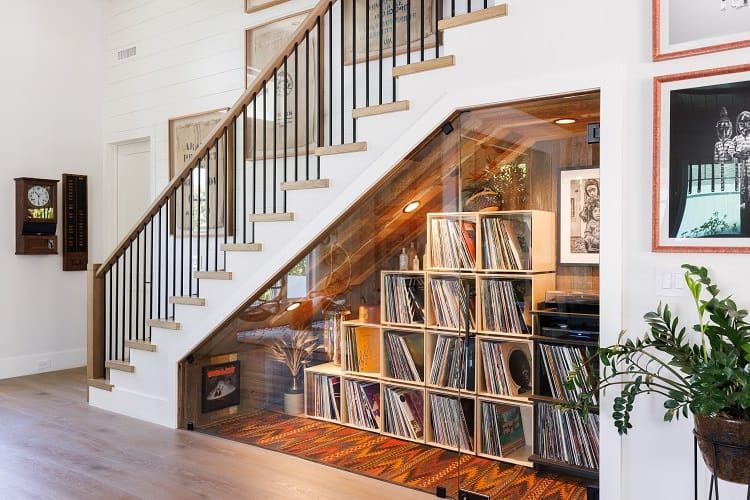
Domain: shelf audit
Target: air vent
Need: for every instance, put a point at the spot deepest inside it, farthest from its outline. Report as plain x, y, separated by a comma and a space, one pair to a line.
126, 53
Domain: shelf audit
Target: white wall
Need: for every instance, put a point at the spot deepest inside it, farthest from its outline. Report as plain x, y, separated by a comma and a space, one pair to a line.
50, 97
190, 59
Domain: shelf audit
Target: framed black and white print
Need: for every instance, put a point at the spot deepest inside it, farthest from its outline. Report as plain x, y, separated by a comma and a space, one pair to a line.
701, 175
690, 27
579, 216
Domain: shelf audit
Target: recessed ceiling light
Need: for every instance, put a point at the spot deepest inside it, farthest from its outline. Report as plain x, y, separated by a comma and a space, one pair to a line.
565, 121
292, 306
411, 206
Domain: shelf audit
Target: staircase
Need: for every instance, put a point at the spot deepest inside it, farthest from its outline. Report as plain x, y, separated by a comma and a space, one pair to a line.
139, 332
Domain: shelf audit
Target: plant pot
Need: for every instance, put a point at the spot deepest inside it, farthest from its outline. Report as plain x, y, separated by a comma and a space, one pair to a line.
731, 441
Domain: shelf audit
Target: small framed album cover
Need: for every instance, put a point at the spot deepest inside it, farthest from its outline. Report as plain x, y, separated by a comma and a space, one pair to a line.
221, 386
579, 216
701, 171
690, 27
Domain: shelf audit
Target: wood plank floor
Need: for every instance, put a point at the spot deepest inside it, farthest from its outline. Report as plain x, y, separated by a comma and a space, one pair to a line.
53, 445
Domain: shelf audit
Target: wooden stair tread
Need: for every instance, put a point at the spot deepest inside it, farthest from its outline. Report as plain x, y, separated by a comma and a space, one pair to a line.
100, 383
167, 324
116, 364
380, 109
187, 300
241, 247
474, 17
281, 217
212, 275
308, 184
140, 345
351, 147
418, 67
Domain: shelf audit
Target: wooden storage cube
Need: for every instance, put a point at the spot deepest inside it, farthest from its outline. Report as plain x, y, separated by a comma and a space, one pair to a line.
403, 355
362, 403
360, 348
450, 299
451, 421
404, 412
564, 439
517, 241
451, 241
556, 360
506, 301
504, 367
506, 430
323, 392
403, 297
451, 361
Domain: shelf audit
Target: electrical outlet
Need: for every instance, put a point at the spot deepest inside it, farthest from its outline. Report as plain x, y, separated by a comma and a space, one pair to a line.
44, 364
471, 495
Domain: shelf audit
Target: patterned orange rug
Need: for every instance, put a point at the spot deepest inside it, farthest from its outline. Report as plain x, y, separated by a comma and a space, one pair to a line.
402, 462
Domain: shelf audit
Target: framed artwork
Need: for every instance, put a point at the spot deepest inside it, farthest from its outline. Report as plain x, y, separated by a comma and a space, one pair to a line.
701, 174
253, 5
368, 17
289, 122
690, 27
220, 386
186, 135
579, 209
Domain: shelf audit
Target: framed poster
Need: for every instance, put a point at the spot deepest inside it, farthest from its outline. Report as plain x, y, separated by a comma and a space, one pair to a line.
690, 27
579, 212
701, 174
369, 16
253, 5
280, 124
186, 135
220, 386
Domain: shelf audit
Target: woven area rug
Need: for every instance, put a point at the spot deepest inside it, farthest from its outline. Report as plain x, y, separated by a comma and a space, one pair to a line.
402, 462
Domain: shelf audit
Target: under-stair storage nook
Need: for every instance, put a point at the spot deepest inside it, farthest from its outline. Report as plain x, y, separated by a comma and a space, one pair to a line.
450, 364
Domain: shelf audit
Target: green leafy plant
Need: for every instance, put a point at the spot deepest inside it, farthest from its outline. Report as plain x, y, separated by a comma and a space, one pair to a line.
707, 373
714, 225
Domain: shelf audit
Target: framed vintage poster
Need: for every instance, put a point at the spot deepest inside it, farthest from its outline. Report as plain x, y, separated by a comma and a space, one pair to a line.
690, 27
579, 216
186, 135
408, 32
220, 386
281, 118
254, 5
701, 175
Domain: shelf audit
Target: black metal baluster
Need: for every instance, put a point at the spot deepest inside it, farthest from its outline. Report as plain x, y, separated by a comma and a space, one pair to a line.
275, 135
285, 121
217, 209
143, 313
244, 172
437, 38
190, 235
330, 73
380, 54
182, 235
226, 181
367, 51
421, 29
158, 269
296, 112
130, 291
138, 285
453, 8
173, 228
341, 72
255, 161
265, 205
354, 67
394, 5
208, 205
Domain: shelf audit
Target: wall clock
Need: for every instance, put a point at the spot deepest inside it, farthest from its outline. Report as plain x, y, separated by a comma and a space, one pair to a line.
36, 216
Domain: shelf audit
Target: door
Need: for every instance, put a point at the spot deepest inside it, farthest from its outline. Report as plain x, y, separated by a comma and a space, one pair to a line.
133, 189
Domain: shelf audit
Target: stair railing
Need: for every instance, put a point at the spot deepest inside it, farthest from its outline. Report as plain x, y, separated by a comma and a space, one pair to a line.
298, 108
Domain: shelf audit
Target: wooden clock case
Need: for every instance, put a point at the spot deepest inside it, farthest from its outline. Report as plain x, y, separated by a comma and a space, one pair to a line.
36, 226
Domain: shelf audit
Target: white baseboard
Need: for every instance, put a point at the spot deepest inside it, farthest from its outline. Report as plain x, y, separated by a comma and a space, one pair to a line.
41, 362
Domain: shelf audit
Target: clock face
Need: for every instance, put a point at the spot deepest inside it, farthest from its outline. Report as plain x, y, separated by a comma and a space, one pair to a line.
38, 196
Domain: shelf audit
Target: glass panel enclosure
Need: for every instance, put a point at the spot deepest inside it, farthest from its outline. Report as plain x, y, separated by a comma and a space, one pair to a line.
417, 326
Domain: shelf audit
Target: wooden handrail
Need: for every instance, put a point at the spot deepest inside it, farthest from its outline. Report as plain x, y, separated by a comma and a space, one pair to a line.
310, 23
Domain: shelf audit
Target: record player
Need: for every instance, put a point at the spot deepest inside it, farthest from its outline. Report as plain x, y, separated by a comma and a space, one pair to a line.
566, 314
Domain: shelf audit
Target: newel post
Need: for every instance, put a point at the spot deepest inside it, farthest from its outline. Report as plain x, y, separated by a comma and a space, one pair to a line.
95, 341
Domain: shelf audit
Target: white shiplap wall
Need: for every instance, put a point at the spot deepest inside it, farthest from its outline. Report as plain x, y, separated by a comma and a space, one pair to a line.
189, 59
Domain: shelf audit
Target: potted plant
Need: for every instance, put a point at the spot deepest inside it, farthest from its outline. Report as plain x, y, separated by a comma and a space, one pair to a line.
706, 373
294, 350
